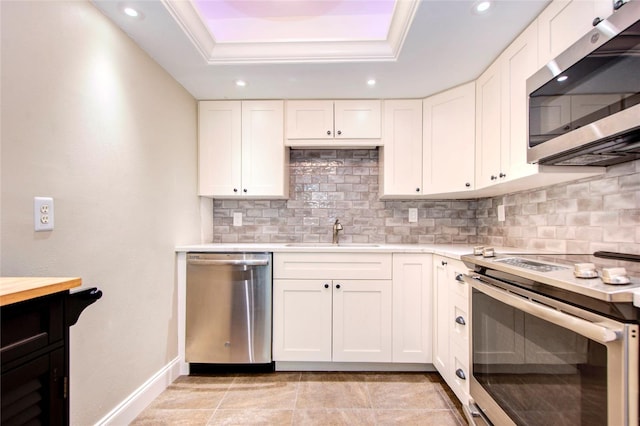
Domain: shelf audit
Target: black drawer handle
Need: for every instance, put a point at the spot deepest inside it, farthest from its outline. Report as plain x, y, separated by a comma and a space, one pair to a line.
461, 374
460, 320
459, 278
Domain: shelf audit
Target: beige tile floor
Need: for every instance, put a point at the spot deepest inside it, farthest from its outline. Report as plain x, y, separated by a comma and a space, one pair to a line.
293, 398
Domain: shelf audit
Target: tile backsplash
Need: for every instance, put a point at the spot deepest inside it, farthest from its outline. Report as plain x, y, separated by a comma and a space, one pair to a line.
601, 213
343, 184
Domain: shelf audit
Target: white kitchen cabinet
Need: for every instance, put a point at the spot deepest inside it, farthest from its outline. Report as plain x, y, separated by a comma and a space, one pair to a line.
321, 123
563, 22
449, 141
362, 320
451, 325
302, 320
518, 62
241, 149
332, 307
401, 155
412, 307
488, 126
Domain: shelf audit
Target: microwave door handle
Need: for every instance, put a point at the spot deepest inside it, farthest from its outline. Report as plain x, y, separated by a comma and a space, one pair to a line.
587, 329
258, 262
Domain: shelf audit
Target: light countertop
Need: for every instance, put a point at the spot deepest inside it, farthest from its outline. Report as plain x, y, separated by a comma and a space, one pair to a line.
18, 289
448, 250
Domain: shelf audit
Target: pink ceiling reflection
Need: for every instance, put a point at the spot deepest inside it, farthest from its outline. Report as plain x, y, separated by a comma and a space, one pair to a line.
295, 20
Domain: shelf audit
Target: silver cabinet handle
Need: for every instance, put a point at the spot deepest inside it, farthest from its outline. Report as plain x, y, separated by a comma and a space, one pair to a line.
588, 329
460, 320
249, 262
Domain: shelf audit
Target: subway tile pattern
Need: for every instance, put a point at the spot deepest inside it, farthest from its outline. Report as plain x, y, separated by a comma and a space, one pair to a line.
342, 184
599, 213
583, 216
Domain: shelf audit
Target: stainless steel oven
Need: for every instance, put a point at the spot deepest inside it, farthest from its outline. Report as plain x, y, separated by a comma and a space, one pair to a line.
542, 353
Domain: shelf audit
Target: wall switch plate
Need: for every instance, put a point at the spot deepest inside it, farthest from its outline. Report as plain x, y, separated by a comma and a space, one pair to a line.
237, 219
413, 215
501, 214
42, 214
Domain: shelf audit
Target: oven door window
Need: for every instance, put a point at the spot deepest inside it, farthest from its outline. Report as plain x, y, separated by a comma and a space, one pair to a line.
539, 373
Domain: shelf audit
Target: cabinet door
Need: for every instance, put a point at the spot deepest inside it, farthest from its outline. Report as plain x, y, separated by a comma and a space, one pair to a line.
263, 151
309, 119
563, 22
358, 119
449, 140
488, 116
362, 320
219, 148
302, 320
441, 315
412, 307
519, 62
402, 148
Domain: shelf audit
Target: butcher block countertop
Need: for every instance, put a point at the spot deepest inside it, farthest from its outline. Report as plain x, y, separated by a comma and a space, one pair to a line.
18, 289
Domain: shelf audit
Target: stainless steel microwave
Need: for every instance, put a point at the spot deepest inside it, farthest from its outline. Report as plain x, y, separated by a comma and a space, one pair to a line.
584, 106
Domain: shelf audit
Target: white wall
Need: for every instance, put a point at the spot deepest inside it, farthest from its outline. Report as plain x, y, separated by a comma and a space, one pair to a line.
90, 120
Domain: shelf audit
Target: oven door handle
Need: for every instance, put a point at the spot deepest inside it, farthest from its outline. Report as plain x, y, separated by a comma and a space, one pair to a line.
588, 329
221, 262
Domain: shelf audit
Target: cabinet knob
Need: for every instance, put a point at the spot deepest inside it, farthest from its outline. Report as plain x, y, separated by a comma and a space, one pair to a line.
618, 4
461, 374
339, 132
493, 177
244, 190
597, 19
443, 263
467, 184
235, 189
503, 175
326, 286
329, 132
459, 278
417, 189
337, 285
460, 320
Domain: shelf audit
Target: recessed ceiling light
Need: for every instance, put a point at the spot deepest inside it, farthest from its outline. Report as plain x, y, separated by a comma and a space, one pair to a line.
481, 6
371, 82
561, 78
241, 83
131, 12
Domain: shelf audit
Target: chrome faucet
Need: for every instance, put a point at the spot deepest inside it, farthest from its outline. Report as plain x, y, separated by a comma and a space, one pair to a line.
337, 227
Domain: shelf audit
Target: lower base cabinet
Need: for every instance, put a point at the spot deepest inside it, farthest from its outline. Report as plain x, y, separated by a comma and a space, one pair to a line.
451, 325
332, 320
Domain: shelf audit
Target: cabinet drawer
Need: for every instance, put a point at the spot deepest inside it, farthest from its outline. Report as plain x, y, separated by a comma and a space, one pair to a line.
30, 325
336, 266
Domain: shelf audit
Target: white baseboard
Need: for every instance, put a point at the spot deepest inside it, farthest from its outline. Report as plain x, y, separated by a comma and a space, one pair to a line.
134, 404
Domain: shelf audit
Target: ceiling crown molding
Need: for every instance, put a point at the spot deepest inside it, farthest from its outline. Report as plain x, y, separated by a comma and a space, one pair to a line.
191, 23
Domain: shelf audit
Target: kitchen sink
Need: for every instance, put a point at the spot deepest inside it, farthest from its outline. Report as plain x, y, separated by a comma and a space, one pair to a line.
330, 245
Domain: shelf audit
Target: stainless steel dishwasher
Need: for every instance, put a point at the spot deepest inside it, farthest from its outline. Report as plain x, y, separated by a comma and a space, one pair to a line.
228, 314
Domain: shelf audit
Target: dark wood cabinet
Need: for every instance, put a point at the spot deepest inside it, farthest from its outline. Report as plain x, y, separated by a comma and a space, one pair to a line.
34, 354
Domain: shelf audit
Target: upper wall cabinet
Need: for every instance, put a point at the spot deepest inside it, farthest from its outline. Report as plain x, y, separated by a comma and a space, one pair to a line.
501, 124
449, 141
564, 21
333, 124
401, 155
241, 152
422, 142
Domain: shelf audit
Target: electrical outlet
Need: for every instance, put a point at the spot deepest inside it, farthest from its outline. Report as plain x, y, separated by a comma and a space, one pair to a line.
237, 219
501, 213
42, 214
413, 215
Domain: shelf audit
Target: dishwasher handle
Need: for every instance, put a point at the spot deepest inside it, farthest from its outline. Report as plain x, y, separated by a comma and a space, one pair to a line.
234, 262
